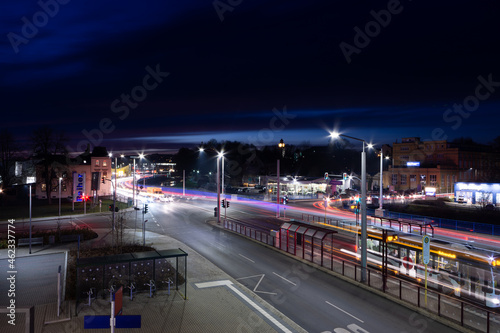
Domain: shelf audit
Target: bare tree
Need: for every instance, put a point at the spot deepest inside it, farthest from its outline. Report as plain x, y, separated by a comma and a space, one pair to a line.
49, 148
8, 151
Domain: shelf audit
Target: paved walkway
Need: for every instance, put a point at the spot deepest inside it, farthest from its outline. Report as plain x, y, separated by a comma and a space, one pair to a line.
216, 302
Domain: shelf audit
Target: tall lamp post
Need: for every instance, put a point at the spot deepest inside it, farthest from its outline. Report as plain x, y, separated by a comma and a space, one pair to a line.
141, 156
363, 202
133, 185
60, 178
380, 210
281, 145
219, 155
114, 197
30, 181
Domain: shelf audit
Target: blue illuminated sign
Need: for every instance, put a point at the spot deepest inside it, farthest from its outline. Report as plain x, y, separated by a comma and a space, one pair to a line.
412, 164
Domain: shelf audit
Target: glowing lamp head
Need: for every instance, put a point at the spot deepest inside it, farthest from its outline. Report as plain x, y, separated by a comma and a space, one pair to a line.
281, 144
334, 135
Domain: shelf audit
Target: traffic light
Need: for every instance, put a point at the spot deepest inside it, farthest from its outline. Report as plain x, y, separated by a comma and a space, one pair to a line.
145, 208
227, 204
392, 238
223, 203
215, 212
111, 208
389, 237
103, 180
344, 176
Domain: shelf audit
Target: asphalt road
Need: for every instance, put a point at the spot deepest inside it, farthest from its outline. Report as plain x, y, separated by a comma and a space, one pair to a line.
315, 300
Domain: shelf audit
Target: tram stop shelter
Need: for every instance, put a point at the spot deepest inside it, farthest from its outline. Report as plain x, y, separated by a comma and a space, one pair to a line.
306, 241
139, 271
406, 225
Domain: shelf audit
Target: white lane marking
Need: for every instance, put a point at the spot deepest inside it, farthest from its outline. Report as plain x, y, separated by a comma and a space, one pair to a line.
347, 313
284, 278
246, 258
212, 284
229, 284
260, 280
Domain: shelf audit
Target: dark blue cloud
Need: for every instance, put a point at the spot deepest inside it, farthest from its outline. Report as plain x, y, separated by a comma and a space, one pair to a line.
227, 76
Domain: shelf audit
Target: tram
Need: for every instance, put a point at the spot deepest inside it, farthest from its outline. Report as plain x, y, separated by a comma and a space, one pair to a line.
458, 269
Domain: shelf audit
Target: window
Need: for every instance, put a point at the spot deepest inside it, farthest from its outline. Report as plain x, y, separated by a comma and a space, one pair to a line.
423, 179
44, 187
96, 162
433, 179
405, 148
413, 178
403, 179
104, 163
394, 179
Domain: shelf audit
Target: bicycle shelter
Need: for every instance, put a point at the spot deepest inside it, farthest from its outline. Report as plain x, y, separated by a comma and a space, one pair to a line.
142, 269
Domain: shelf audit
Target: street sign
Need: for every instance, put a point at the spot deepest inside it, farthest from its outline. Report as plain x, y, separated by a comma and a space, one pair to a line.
426, 242
335, 182
407, 263
30, 180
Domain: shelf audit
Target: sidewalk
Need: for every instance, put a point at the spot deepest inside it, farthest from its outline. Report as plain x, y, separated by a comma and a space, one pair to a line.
215, 302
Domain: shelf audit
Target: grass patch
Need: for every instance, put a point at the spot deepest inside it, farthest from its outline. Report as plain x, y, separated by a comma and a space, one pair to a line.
85, 232
439, 209
41, 208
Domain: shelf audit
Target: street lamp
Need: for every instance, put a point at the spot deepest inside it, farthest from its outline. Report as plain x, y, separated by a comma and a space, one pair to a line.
380, 210
30, 181
219, 156
114, 195
364, 253
60, 178
281, 145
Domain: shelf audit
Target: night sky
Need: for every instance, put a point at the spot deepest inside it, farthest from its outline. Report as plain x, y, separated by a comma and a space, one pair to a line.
158, 75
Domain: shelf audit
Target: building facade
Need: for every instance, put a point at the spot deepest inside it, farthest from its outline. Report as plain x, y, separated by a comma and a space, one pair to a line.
417, 164
85, 167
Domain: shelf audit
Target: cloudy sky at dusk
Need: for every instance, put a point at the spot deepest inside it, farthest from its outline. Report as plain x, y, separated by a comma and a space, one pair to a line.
158, 75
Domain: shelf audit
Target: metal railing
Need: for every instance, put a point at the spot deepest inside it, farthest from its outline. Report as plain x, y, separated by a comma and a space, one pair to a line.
476, 227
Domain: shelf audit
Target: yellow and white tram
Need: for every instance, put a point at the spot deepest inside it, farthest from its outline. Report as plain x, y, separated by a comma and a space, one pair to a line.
457, 269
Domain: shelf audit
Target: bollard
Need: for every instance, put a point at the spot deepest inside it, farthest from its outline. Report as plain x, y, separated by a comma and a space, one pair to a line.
152, 287
131, 287
111, 291
169, 281
90, 293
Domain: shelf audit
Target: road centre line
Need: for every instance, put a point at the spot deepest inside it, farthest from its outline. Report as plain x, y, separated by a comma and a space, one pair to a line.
284, 279
246, 258
347, 313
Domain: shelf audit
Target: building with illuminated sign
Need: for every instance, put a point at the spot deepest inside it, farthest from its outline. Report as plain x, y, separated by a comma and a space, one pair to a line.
478, 193
440, 164
92, 168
